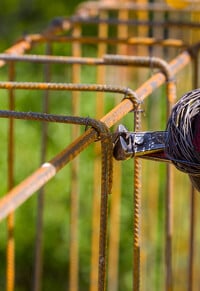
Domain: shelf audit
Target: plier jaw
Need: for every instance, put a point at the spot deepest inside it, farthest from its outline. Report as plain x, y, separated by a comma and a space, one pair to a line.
148, 145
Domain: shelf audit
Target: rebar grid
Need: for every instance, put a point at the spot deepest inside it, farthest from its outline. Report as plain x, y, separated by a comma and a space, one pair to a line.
85, 16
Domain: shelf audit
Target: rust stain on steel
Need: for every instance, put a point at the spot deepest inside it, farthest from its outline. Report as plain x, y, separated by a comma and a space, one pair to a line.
114, 41
137, 210
68, 87
22, 192
93, 6
10, 271
134, 22
146, 89
74, 149
112, 117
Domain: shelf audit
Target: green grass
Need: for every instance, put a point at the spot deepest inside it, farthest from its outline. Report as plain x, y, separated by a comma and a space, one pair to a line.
57, 197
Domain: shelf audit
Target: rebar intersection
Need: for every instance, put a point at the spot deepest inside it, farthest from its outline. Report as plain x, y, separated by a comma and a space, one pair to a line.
131, 99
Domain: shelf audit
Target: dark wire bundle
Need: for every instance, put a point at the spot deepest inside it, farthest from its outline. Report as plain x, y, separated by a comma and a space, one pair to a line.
183, 138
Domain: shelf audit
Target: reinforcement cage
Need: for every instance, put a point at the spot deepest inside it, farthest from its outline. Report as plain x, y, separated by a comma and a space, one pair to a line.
100, 224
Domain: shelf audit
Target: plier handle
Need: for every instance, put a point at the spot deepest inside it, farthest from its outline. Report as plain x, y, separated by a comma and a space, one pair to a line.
148, 144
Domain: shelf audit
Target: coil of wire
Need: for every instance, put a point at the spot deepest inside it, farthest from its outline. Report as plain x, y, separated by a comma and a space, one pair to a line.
183, 138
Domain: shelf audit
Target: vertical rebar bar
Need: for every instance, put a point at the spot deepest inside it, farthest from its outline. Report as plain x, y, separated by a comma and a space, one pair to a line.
101, 71
168, 238
74, 195
106, 183
114, 239
171, 96
38, 264
195, 79
10, 220
137, 210
191, 239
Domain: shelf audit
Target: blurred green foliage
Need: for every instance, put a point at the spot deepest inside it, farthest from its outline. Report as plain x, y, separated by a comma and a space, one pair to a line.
18, 17
32, 16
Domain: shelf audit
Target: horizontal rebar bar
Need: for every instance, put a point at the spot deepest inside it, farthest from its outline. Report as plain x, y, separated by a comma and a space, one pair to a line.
147, 41
48, 170
154, 7
135, 22
127, 92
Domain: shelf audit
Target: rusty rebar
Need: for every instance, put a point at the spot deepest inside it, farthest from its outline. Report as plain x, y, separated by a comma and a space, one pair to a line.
19, 194
171, 96
115, 217
38, 260
120, 110
99, 112
36, 39
91, 7
75, 187
49, 170
137, 211
190, 286
63, 24
10, 272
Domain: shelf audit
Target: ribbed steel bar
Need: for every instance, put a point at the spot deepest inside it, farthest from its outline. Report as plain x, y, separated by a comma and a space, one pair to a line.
137, 211
151, 62
48, 170
154, 7
193, 193
171, 94
99, 112
126, 105
19, 47
171, 97
75, 187
38, 260
68, 87
130, 22
10, 220
89, 60
121, 77
58, 25
191, 240
146, 41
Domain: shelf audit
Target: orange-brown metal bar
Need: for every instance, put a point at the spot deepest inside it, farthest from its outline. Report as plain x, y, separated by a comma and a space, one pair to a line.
126, 105
137, 211
130, 22
99, 112
91, 7
114, 238
171, 95
48, 171
193, 205
38, 260
146, 41
10, 220
74, 192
